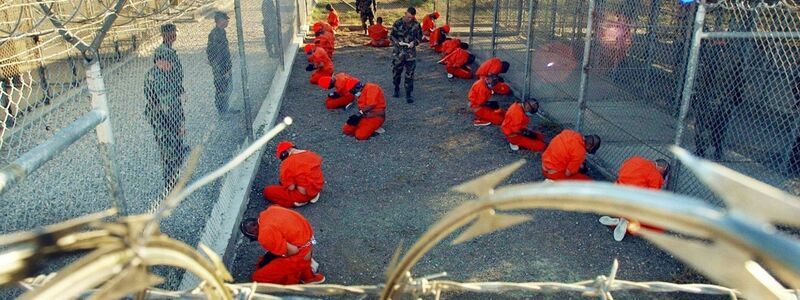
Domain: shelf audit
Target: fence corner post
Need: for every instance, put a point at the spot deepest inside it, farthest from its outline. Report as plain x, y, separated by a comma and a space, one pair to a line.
279, 36
494, 26
587, 46
237, 10
688, 85
526, 91
472, 21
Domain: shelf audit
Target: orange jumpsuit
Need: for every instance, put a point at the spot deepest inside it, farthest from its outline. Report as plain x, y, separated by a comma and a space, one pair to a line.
379, 36
456, 64
640, 172
373, 103
276, 227
478, 95
567, 151
493, 66
326, 41
325, 27
437, 38
428, 24
302, 169
319, 58
340, 86
513, 125
450, 45
333, 19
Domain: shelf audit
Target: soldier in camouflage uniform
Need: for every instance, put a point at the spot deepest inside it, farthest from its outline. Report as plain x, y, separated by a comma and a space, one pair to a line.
169, 35
219, 57
365, 9
406, 35
164, 111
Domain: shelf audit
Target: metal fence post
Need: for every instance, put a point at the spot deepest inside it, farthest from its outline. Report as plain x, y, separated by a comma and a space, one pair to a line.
237, 9
688, 85
299, 15
587, 46
553, 10
279, 37
691, 71
519, 16
494, 27
575, 29
472, 21
105, 136
650, 37
528, 45
681, 57
447, 12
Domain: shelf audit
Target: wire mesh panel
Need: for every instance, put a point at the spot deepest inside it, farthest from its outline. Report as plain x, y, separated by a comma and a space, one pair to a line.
557, 32
261, 44
42, 90
173, 80
511, 38
482, 31
635, 77
743, 110
288, 11
459, 19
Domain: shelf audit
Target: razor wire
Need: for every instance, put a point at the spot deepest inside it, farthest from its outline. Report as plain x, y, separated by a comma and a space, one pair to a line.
438, 288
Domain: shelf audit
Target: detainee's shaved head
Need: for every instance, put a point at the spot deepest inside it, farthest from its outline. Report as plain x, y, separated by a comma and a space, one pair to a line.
592, 143
249, 228
662, 166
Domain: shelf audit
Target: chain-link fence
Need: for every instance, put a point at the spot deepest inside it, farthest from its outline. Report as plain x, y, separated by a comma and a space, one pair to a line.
169, 76
742, 110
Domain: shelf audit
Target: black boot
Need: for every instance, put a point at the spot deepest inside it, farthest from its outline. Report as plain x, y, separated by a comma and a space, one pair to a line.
409, 89
409, 97
396, 92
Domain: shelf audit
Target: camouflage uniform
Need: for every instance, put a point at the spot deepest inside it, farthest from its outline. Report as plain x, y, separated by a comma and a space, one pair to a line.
219, 57
164, 111
175, 76
364, 8
405, 57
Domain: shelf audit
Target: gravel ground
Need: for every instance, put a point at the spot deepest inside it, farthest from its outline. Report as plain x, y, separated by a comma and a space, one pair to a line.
391, 188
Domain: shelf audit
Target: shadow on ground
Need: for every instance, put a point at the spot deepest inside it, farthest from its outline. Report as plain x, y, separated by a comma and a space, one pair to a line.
391, 188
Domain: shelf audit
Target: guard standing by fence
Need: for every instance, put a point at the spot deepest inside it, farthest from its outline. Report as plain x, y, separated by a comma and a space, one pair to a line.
219, 57
365, 10
406, 35
164, 110
720, 85
175, 76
